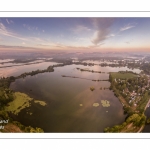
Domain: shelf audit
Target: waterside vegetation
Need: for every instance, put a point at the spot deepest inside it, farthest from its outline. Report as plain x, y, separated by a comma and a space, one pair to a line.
134, 94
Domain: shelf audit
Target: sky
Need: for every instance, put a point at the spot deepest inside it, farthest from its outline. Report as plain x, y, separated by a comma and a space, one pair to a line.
81, 34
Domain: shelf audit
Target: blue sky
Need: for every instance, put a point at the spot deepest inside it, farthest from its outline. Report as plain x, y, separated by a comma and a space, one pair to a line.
94, 34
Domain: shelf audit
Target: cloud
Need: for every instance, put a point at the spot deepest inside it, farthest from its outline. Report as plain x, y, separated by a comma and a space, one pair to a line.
27, 26
127, 27
102, 26
111, 35
5, 31
127, 42
11, 21
7, 21
80, 28
36, 39
30, 28
96, 46
17, 47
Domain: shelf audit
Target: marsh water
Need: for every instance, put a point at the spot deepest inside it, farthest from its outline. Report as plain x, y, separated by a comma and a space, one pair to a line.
64, 96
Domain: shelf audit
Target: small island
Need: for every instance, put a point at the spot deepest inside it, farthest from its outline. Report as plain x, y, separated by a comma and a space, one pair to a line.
105, 103
96, 104
92, 88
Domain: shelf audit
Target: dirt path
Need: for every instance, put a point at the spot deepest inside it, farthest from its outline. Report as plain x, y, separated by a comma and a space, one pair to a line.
147, 104
141, 129
11, 128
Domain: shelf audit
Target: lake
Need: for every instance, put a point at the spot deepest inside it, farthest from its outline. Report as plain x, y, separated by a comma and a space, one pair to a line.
18, 68
70, 101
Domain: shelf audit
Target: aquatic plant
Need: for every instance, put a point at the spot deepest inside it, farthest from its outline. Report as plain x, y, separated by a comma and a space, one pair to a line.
105, 103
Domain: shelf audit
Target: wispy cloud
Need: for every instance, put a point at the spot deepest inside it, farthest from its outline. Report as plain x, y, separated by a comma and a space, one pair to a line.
127, 42
127, 27
17, 47
80, 28
9, 21
27, 26
96, 46
5, 31
31, 28
102, 26
111, 35
36, 39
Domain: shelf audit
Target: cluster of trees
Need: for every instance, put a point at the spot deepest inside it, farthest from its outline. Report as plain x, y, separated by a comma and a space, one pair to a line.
133, 84
137, 120
134, 65
89, 70
6, 95
32, 73
146, 68
28, 129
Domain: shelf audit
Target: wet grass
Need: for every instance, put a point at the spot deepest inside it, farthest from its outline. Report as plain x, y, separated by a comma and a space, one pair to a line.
20, 102
120, 75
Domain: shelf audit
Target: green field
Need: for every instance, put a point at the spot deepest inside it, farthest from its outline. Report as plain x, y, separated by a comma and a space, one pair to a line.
20, 102
120, 75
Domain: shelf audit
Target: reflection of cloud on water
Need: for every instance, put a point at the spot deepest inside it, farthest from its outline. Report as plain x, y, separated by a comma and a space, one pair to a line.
88, 98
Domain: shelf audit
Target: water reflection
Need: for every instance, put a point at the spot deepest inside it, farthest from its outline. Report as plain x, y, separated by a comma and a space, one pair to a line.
64, 96
17, 70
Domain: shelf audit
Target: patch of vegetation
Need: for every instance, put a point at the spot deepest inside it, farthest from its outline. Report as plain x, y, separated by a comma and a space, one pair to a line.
40, 102
148, 121
89, 70
146, 68
6, 95
133, 92
105, 103
92, 88
144, 100
132, 124
96, 104
28, 129
20, 102
123, 75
